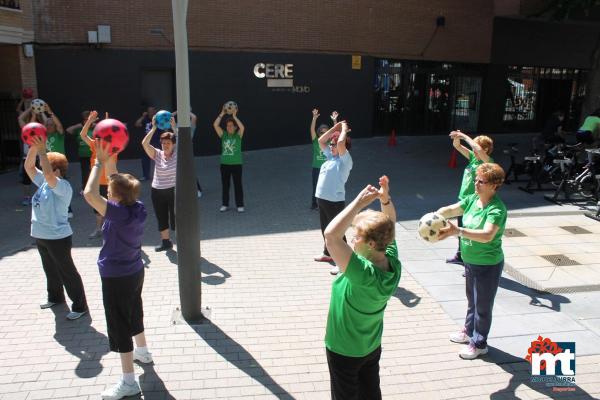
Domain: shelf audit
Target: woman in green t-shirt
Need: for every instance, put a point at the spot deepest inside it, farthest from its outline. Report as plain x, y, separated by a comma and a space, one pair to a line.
481, 148
231, 158
318, 158
370, 275
83, 149
484, 219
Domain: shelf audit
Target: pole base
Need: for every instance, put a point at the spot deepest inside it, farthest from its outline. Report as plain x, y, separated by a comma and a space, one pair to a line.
177, 317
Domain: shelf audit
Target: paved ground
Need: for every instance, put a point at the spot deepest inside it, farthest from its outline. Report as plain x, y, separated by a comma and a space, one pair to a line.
268, 301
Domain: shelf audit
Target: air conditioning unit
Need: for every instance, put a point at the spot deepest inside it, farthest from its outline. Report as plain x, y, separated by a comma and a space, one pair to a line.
103, 33
92, 37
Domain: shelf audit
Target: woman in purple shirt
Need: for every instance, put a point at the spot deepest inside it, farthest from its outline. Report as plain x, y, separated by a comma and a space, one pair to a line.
121, 267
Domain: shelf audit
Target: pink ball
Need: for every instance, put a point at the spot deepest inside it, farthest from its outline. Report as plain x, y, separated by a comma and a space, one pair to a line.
31, 130
114, 132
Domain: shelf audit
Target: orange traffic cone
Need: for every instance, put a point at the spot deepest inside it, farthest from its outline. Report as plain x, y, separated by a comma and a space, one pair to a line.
452, 162
392, 139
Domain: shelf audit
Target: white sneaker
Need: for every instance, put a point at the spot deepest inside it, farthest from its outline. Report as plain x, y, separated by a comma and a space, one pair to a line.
143, 357
460, 337
334, 270
121, 390
199, 194
223, 209
471, 352
73, 315
96, 233
241, 209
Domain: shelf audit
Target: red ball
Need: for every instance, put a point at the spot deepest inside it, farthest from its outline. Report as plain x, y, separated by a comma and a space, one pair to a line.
27, 93
113, 132
31, 130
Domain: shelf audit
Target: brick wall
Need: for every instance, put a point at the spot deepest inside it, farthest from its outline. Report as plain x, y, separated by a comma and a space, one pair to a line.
390, 28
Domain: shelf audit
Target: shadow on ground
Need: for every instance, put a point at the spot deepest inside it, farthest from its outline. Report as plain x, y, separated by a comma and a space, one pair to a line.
408, 298
212, 273
237, 355
80, 339
554, 299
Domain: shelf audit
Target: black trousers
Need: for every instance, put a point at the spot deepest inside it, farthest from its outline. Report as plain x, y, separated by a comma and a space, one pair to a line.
235, 172
60, 271
459, 224
354, 378
315, 178
84, 162
122, 298
327, 212
163, 201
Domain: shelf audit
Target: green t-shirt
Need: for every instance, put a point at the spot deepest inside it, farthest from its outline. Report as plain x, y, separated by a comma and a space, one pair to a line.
591, 124
467, 186
56, 142
231, 149
358, 299
83, 148
318, 157
474, 217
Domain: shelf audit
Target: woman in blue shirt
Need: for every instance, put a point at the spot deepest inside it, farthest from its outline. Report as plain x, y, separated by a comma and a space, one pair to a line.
331, 191
51, 229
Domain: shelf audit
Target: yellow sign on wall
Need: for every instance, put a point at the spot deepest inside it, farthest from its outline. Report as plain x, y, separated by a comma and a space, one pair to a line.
356, 62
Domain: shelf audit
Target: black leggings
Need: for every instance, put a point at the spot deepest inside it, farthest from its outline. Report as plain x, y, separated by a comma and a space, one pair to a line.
354, 378
163, 201
327, 212
60, 271
227, 172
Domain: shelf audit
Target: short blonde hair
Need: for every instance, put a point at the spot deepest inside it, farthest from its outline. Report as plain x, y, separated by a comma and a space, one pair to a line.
375, 226
486, 143
58, 161
126, 187
492, 173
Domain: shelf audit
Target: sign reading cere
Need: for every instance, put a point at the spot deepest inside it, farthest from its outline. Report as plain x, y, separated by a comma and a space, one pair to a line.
280, 77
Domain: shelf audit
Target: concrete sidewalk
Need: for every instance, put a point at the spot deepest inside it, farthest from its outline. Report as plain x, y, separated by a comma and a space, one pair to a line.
268, 300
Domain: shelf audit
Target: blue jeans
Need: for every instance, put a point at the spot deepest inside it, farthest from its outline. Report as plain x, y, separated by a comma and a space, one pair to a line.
481, 286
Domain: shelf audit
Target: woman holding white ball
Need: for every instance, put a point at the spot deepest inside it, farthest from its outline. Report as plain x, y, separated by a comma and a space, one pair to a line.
484, 219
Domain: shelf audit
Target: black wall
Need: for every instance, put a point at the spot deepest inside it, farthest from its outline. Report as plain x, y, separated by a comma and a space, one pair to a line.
539, 43
75, 79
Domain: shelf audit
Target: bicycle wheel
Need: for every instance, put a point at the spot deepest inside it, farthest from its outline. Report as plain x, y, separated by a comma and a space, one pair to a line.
588, 186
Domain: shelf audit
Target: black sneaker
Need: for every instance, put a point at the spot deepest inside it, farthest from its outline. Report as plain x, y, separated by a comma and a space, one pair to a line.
455, 260
165, 245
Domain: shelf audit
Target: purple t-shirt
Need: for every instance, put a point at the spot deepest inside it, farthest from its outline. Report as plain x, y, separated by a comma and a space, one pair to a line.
122, 231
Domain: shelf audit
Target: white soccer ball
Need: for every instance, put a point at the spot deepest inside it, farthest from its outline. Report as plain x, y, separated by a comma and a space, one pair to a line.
430, 225
38, 106
230, 107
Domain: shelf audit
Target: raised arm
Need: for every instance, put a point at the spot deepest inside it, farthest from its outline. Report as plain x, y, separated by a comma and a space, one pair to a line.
217, 123
387, 207
59, 125
23, 117
477, 149
324, 138
334, 233
334, 117
29, 164
91, 193
40, 145
138, 122
313, 123
93, 117
456, 137
241, 127
341, 142
71, 129
148, 148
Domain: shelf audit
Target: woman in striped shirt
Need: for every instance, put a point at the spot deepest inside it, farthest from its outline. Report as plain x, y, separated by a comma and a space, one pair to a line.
163, 184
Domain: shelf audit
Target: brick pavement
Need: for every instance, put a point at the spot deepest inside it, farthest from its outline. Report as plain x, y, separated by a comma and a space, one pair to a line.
268, 302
